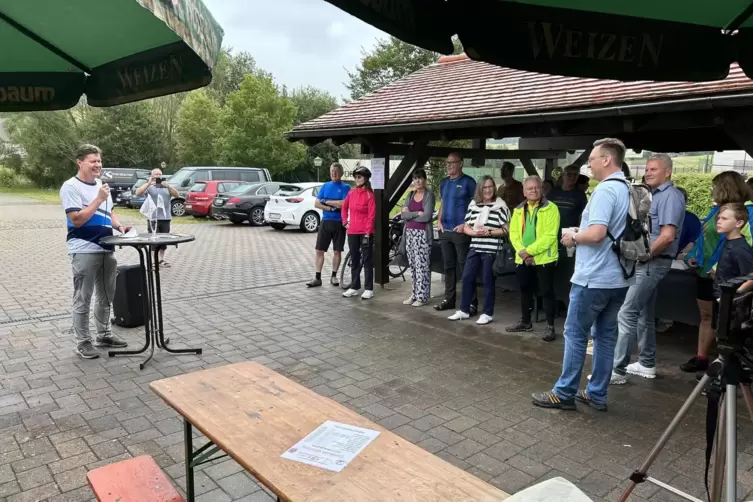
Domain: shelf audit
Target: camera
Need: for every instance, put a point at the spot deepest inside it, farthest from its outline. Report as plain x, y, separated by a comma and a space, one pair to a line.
734, 331
159, 181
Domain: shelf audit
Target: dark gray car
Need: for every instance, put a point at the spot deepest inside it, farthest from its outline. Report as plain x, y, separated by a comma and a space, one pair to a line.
246, 203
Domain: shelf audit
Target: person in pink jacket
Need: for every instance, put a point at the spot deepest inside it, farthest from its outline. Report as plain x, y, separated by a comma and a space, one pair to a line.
359, 212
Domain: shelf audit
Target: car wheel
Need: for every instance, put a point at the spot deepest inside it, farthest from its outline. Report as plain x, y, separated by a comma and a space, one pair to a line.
178, 208
256, 216
310, 222
278, 226
236, 221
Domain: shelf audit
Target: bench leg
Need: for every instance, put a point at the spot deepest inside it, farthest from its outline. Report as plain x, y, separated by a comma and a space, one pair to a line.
188, 439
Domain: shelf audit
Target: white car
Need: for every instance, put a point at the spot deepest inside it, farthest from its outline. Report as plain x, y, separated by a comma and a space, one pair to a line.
294, 207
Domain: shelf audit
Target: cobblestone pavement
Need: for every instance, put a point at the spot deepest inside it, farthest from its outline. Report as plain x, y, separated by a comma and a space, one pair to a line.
457, 390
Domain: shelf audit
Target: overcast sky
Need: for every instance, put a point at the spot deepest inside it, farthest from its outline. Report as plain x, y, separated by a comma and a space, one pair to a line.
301, 42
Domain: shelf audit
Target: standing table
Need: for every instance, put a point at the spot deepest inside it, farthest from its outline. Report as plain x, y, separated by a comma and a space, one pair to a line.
148, 247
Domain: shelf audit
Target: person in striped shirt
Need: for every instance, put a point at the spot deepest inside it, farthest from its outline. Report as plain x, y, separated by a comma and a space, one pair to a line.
486, 224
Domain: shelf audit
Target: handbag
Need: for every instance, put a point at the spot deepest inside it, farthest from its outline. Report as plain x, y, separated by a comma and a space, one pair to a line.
504, 260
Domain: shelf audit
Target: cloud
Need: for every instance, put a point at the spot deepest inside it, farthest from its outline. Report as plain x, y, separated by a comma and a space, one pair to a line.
301, 42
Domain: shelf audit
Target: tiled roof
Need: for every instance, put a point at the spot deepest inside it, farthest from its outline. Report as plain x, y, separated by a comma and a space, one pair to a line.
460, 88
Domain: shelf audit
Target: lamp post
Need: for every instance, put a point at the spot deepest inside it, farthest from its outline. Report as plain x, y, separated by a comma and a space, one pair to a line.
317, 164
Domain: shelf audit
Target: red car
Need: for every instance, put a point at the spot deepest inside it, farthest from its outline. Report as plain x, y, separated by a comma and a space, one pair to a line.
201, 195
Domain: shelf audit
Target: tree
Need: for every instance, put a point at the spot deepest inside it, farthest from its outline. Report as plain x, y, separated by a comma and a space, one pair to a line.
311, 103
228, 74
391, 60
128, 135
197, 129
165, 110
253, 123
48, 141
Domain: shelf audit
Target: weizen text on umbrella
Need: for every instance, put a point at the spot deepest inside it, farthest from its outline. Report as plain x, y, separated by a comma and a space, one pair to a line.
135, 77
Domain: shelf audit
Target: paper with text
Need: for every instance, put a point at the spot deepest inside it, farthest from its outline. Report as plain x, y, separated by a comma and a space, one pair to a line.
377, 174
331, 446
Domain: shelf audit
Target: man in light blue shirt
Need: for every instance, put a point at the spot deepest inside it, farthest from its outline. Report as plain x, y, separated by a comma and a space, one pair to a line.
598, 284
636, 318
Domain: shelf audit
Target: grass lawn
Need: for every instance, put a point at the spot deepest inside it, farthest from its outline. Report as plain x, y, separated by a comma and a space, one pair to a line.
52, 197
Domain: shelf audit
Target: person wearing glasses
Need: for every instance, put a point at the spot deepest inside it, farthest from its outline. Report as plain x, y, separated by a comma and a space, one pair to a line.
598, 285
456, 192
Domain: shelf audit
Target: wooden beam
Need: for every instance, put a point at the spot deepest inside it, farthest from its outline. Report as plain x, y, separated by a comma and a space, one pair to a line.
582, 158
478, 144
382, 223
741, 132
529, 167
402, 177
470, 153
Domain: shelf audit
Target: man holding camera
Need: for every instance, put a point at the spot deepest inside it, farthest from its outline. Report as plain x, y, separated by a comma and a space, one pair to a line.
89, 211
160, 192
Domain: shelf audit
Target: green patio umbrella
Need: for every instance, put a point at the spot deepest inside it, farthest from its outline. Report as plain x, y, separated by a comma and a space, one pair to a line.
114, 51
692, 40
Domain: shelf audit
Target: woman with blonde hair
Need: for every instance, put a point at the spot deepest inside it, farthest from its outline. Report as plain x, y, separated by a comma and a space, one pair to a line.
729, 187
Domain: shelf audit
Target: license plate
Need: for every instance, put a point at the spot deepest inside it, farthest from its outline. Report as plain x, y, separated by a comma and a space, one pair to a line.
188, 206
219, 202
274, 216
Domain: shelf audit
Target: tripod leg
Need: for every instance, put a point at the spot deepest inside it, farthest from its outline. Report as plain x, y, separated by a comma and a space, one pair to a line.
640, 475
730, 406
717, 480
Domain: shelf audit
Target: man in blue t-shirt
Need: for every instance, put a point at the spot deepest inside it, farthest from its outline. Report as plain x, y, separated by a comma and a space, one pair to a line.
329, 200
456, 192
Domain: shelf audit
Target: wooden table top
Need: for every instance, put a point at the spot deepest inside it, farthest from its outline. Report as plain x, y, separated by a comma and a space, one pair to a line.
255, 414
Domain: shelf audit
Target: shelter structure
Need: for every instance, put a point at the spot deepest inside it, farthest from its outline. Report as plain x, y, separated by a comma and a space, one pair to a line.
462, 99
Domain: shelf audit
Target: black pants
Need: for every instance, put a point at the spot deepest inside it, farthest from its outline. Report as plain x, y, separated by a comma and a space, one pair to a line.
538, 279
454, 246
360, 250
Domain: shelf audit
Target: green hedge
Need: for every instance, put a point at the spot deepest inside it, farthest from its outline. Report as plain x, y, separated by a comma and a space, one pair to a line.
698, 187
10, 179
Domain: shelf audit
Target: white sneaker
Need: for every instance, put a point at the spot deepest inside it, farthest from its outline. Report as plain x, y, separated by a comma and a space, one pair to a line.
590, 348
350, 292
419, 303
615, 379
368, 294
637, 368
459, 316
409, 301
484, 319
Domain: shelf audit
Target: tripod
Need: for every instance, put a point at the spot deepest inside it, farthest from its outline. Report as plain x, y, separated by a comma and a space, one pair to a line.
727, 374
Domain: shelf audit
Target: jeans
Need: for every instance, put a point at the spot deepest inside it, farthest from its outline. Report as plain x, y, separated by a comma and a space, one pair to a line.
92, 273
454, 247
590, 311
360, 250
484, 261
533, 280
636, 317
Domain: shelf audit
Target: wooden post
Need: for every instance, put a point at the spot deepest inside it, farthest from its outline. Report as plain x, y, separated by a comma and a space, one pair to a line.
382, 224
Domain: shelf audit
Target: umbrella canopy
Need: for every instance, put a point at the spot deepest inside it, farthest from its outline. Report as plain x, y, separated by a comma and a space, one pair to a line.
114, 51
693, 40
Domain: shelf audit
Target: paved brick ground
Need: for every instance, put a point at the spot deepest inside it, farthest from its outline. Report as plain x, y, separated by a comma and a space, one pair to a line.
456, 390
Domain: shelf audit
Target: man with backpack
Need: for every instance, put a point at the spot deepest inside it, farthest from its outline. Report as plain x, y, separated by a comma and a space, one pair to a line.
636, 318
599, 284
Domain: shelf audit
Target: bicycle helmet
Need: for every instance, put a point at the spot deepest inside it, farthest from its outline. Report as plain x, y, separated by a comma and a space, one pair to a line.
362, 171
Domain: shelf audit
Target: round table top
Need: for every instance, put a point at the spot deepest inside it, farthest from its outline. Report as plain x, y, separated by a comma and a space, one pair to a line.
147, 240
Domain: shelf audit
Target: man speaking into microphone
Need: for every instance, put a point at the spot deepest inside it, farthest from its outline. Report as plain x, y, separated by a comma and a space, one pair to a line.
88, 209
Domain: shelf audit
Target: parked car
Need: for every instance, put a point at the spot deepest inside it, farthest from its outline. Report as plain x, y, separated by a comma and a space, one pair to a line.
293, 204
187, 177
121, 180
199, 199
129, 197
247, 202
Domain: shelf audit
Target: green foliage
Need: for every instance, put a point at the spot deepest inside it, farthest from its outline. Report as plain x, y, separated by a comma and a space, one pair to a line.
311, 103
228, 74
197, 130
128, 135
11, 179
253, 123
698, 187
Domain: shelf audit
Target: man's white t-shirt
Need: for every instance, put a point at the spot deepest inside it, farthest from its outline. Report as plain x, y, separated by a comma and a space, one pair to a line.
77, 195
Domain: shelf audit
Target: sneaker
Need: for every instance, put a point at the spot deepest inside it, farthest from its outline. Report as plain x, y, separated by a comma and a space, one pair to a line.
583, 397
615, 379
368, 294
314, 283
590, 348
637, 368
419, 303
85, 350
350, 293
459, 316
409, 300
110, 341
473, 311
520, 326
484, 319
695, 364
550, 400
549, 335
334, 280
444, 305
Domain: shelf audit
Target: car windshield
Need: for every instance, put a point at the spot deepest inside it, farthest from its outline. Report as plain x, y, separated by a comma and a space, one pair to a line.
140, 182
243, 189
198, 187
181, 175
289, 190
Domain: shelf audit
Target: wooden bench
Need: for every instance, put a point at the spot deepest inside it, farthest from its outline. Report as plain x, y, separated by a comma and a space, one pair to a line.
134, 480
255, 415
